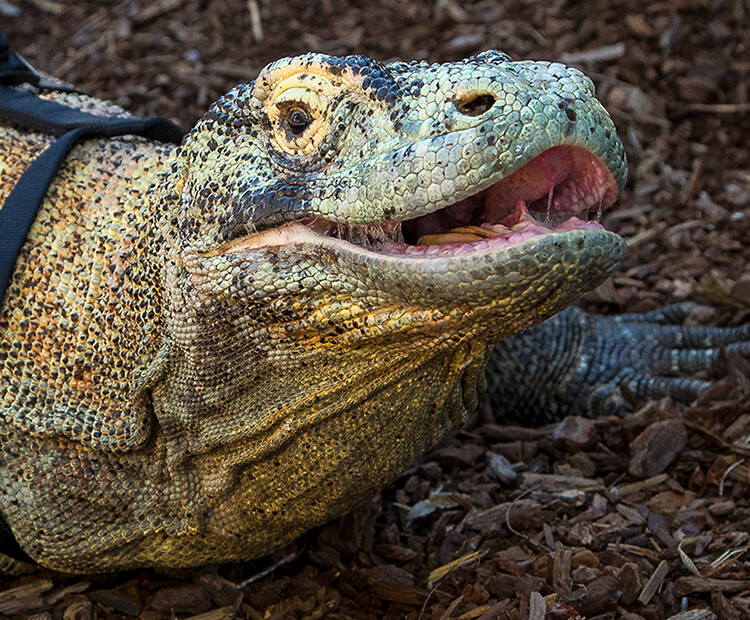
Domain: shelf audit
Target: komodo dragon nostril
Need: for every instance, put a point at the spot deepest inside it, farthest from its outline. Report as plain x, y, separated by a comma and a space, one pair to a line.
475, 104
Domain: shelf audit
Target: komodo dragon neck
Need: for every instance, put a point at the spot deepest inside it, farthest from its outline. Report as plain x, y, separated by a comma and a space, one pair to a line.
219, 347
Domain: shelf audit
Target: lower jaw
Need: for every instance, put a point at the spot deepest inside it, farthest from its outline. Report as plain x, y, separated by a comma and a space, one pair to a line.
297, 234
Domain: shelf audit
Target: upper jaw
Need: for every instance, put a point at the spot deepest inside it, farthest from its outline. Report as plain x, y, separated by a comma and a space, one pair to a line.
555, 192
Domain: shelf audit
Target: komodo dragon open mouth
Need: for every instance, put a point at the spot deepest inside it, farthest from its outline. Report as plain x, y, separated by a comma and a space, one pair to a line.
557, 191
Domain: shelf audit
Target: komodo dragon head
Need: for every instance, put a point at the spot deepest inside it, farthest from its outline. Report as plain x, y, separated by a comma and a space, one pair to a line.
352, 239
211, 350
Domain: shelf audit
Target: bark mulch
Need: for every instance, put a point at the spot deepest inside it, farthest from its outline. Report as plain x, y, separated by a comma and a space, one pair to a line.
641, 516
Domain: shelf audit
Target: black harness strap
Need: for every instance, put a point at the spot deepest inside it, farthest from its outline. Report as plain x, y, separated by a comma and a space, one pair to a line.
69, 126
27, 110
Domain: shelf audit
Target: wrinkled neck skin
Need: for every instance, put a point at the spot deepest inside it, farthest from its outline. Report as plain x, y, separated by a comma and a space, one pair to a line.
296, 363
280, 354
291, 385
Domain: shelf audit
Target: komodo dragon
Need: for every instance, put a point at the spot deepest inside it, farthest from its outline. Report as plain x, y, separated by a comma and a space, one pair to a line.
207, 350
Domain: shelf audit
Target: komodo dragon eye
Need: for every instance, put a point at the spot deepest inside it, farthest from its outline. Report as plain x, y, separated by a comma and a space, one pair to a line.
298, 119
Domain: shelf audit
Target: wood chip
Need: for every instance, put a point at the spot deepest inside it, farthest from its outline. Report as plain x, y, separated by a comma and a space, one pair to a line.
511, 433
630, 583
155, 10
656, 447
48, 6
441, 571
393, 583
493, 613
694, 614
474, 613
600, 595
575, 433
725, 608
631, 514
514, 514
223, 613
720, 108
537, 606
189, 598
255, 21
24, 597
654, 583
121, 602
448, 614
74, 588
555, 481
549, 535
599, 54
692, 585
500, 468
640, 551
80, 609
561, 581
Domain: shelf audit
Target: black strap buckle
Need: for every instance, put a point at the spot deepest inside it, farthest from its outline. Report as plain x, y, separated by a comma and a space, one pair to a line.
14, 69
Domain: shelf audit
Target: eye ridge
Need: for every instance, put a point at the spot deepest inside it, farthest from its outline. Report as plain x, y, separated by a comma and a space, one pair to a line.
297, 119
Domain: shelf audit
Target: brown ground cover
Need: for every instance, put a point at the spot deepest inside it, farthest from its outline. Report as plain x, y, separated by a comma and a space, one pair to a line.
577, 519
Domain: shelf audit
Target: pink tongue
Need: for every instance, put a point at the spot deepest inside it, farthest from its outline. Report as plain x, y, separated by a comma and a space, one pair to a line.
528, 183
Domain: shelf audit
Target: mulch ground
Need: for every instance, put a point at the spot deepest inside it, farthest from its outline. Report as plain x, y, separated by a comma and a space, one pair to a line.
641, 516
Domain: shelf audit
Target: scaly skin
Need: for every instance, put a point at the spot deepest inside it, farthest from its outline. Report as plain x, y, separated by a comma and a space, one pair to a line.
180, 390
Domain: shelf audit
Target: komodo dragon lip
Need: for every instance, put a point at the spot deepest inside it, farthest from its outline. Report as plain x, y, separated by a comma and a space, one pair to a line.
555, 192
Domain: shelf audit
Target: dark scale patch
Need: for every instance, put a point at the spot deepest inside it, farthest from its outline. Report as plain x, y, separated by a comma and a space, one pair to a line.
490, 56
389, 212
565, 105
359, 65
266, 207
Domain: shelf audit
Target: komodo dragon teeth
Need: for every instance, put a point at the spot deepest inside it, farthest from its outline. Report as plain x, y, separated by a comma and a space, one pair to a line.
207, 350
466, 234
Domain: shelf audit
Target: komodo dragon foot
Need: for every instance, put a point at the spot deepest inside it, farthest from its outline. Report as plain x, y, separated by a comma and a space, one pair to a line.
579, 364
